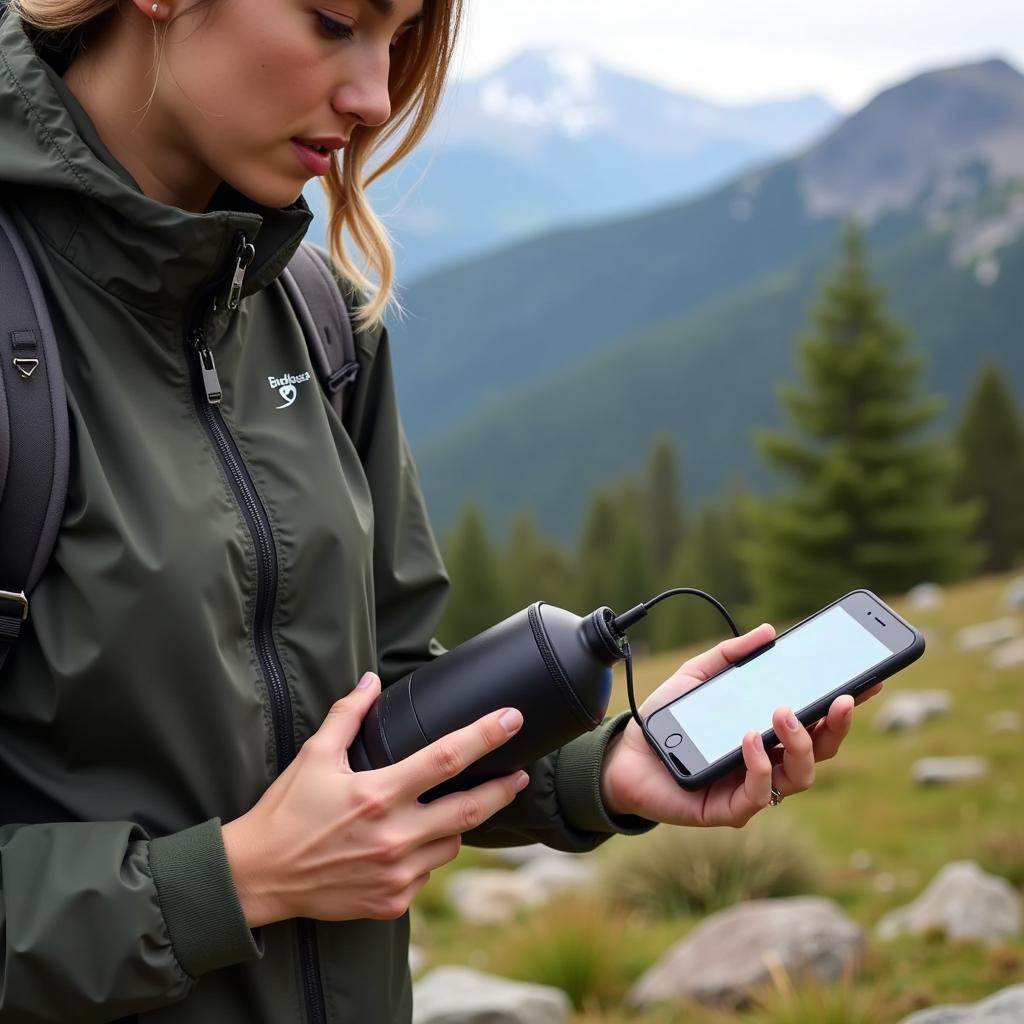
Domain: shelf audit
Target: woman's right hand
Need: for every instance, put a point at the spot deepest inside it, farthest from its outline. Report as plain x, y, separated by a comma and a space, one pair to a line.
328, 843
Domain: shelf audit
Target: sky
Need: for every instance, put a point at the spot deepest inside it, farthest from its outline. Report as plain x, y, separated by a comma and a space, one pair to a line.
736, 52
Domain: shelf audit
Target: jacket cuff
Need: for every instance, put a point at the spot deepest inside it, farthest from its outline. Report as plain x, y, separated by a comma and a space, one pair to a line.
578, 783
200, 903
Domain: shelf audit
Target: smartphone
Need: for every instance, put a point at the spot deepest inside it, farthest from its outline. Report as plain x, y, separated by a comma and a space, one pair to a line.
846, 647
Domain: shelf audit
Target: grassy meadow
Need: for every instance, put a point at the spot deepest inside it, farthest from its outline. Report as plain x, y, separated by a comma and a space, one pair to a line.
865, 836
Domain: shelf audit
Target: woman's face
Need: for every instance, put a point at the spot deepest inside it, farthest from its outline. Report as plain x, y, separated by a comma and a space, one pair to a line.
242, 81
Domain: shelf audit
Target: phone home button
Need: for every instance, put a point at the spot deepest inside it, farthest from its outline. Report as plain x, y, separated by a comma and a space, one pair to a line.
673, 740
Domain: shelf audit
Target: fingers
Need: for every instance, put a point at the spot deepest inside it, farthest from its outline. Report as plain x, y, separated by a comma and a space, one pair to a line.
728, 652
750, 797
795, 773
461, 812
447, 757
828, 734
343, 721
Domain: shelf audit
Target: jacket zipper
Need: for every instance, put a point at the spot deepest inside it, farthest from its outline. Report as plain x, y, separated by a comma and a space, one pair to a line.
206, 393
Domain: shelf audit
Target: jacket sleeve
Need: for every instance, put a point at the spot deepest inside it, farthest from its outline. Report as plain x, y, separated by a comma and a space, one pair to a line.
98, 921
562, 805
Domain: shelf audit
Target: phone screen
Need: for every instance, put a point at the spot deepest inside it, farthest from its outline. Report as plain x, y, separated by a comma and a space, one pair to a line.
808, 662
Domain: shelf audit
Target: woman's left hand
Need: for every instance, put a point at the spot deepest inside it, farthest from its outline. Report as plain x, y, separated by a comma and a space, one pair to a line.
634, 781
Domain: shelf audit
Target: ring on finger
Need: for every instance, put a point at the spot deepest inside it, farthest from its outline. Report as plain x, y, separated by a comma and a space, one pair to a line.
776, 798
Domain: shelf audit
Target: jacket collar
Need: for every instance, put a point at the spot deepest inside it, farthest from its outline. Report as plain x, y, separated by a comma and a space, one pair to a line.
154, 257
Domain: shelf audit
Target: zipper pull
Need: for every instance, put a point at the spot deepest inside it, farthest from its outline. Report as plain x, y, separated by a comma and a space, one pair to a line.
243, 258
211, 382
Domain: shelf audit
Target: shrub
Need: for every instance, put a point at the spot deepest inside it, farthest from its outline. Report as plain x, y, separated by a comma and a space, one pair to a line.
1002, 853
577, 944
814, 1003
675, 870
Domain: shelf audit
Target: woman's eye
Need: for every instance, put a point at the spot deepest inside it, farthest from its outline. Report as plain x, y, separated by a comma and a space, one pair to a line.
334, 29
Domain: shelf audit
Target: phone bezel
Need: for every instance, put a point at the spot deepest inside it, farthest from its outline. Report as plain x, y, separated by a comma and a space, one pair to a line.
692, 771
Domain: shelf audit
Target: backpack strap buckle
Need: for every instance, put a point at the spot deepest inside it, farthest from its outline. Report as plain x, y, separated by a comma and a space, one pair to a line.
18, 598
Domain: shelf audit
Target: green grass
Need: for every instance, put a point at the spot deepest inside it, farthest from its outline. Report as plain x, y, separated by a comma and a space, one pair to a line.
864, 801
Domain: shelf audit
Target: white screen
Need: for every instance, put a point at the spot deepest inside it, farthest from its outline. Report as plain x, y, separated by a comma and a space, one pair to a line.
812, 660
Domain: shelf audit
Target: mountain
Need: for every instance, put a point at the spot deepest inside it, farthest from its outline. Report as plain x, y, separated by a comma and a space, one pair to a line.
573, 349
553, 138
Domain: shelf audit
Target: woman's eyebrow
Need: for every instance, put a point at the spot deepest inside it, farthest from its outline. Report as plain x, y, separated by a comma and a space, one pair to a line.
387, 7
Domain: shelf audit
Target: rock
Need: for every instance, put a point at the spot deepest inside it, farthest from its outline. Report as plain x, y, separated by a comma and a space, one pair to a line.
736, 950
485, 896
908, 708
558, 874
935, 771
1013, 596
520, 855
861, 860
1003, 721
964, 902
460, 995
1006, 1007
1009, 655
987, 634
925, 595
417, 960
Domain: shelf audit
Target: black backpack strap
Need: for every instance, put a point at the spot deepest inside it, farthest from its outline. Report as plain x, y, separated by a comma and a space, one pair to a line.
35, 449
320, 307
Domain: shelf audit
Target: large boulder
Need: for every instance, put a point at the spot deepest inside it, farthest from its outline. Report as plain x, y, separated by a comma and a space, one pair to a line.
940, 771
988, 634
1006, 1007
738, 949
908, 708
459, 995
963, 902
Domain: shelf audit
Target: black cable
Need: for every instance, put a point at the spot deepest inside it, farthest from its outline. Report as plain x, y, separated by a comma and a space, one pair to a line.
622, 622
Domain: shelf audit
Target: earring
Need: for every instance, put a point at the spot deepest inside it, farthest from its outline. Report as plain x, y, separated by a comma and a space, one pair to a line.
155, 8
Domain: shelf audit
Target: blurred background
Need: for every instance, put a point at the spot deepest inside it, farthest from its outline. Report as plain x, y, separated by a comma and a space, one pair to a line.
732, 296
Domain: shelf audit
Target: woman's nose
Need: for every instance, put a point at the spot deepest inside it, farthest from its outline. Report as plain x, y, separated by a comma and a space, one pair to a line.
364, 94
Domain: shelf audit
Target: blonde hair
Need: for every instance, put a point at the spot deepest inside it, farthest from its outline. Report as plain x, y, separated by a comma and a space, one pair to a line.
420, 63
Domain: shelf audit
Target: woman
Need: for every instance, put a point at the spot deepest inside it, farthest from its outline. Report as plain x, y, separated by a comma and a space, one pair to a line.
226, 575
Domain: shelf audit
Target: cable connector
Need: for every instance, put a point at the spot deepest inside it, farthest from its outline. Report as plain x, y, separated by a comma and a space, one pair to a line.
622, 622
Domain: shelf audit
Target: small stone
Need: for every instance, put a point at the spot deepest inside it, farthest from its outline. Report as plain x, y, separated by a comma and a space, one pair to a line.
988, 634
925, 595
936, 771
558, 874
963, 902
909, 708
1006, 1007
485, 896
1009, 655
737, 950
1003, 721
885, 881
417, 960
519, 855
861, 860
460, 995
1013, 596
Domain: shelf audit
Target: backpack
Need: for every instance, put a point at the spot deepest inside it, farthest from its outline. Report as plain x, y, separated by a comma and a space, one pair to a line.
35, 450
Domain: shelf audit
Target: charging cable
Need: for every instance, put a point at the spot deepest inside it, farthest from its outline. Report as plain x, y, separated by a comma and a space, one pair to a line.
622, 622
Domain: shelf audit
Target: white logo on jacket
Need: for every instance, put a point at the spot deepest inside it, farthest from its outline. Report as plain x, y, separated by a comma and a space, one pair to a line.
285, 386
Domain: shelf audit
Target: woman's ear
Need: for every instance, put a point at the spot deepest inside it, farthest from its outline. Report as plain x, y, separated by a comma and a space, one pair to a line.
155, 10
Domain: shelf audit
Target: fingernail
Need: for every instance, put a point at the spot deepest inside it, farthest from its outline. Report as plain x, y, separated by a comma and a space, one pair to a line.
758, 743
364, 683
522, 780
511, 720
791, 722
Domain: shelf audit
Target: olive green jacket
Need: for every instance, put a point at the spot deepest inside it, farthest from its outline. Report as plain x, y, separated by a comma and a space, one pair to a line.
222, 575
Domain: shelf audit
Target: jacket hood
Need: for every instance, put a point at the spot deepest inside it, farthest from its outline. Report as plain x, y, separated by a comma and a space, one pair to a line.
56, 169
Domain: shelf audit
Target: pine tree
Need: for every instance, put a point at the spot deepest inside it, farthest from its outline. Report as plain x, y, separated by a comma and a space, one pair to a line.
595, 560
990, 439
871, 505
476, 600
534, 569
664, 504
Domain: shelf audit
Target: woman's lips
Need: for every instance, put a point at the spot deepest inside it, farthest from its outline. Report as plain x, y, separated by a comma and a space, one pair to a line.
317, 162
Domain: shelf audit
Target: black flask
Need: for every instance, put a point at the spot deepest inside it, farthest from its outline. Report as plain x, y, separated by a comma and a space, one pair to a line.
553, 665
